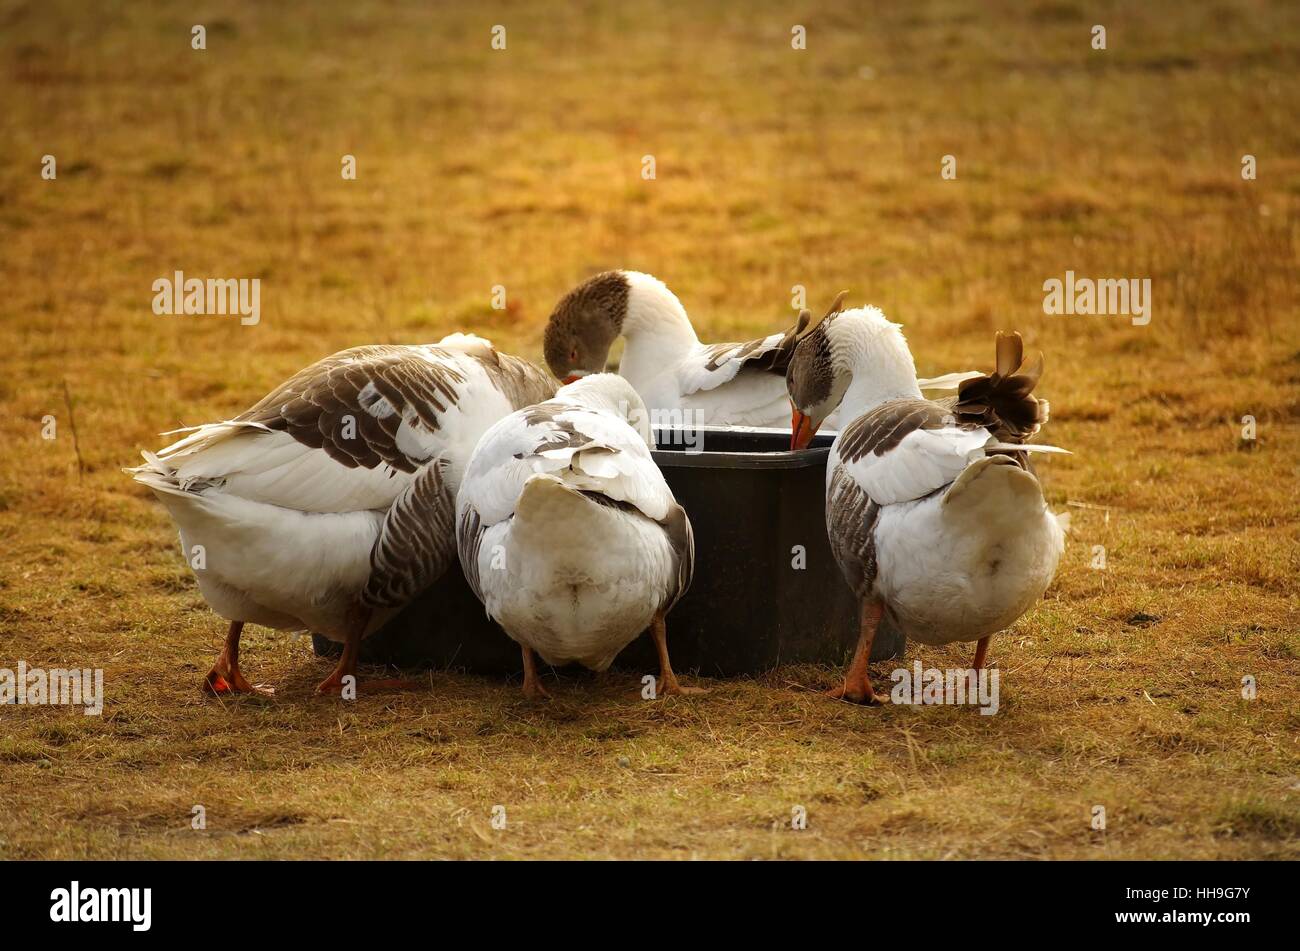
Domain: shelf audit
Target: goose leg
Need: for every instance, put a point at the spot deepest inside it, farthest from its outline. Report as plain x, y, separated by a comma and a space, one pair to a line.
533, 688
225, 676
981, 650
668, 682
857, 679
347, 665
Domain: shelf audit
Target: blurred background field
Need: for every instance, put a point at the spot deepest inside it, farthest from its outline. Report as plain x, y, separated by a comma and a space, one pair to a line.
775, 167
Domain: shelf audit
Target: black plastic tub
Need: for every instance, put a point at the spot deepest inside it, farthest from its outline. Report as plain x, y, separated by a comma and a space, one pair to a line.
766, 589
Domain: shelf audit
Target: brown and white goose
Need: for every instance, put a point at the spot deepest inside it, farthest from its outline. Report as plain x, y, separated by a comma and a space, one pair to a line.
329, 504
726, 384
933, 513
569, 534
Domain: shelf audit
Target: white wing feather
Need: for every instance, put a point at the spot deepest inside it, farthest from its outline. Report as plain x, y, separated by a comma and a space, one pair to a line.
609, 458
705, 368
926, 460
949, 381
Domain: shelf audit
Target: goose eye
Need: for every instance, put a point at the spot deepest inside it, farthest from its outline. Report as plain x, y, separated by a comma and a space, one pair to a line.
573, 354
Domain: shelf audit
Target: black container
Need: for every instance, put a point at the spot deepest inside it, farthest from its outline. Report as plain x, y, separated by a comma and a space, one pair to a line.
766, 589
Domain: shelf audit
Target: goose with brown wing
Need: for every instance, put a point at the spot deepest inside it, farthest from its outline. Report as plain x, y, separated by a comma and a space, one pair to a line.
933, 513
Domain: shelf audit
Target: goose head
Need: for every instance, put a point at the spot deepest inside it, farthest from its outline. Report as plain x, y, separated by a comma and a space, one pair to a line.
587, 320
853, 357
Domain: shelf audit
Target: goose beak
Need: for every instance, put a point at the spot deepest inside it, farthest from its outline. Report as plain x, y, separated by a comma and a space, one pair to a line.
574, 377
801, 430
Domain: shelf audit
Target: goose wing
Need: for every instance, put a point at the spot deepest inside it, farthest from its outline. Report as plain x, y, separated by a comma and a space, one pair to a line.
905, 449
708, 366
353, 430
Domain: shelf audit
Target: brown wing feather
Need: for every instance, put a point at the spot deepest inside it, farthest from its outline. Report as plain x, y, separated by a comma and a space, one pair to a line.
416, 542
1003, 401
884, 427
851, 527
720, 353
322, 405
774, 360
328, 405
469, 538
522, 382
1010, 351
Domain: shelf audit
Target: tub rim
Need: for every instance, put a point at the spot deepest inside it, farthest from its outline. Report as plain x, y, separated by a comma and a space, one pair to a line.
679, 458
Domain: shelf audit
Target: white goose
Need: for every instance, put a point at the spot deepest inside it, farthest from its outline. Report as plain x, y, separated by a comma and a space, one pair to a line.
933, 513
727, 384
568, 533
330, 504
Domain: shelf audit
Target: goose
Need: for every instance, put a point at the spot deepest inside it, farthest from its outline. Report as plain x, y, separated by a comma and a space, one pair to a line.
568, 533
934, 515
721, 384
329, 504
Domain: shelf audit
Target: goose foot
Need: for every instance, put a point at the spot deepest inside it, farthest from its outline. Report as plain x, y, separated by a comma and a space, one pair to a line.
225, 677
981, 651
347, 665
857, 679
333, 684
668, 682
535, 691
533, 688
857, 693
222, 680
670, 685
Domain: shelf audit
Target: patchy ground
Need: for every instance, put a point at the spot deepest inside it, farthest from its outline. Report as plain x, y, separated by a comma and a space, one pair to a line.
774, 167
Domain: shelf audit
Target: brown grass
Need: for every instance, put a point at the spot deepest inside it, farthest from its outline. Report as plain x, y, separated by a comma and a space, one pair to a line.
774, 168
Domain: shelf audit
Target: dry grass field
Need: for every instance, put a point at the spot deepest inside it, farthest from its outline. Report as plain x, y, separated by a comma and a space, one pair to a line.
775, 167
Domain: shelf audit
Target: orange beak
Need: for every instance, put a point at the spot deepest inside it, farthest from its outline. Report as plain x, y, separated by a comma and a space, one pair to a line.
801, 430
571, 378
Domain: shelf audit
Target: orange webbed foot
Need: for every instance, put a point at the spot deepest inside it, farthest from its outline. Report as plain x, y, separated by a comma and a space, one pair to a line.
672, 687
222, 681
855, 693
534, 690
